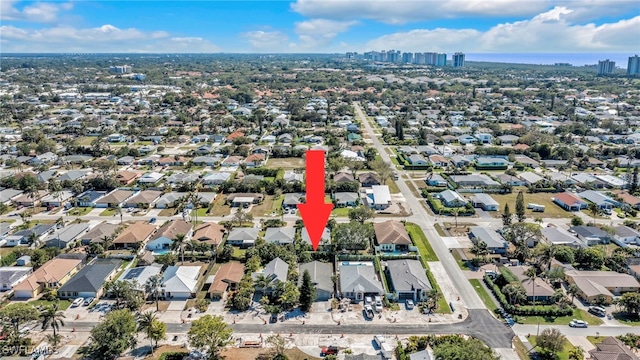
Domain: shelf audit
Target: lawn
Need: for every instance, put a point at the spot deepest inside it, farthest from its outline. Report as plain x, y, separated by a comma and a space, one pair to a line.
168, 212
461, 263
108, 212
285, 163
521, 350
625, 319
219, 207
277, 203
443, 306
342, 212
264, 208
79, 211
393, 187
254, 353
201, 212
484, 295
551, 209
595, 340
562, 320
62, 304
563, 355
238, 254
420, 240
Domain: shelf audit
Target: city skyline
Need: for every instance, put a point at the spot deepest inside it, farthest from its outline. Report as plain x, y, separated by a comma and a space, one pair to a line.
314, 26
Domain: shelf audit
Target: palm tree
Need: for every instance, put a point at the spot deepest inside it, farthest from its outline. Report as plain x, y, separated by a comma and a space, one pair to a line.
152, 286
593, 209
52, 318
434, 297
178, 242
573, 290
145, 325
532, 275
262, 282
106, 242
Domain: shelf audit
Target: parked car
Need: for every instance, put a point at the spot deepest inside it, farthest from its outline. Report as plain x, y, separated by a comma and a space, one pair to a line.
578, 323
77, 302
409, 304
152, 221
598, 311
368, 300
329, 350
378, 303
368, 311
88, 301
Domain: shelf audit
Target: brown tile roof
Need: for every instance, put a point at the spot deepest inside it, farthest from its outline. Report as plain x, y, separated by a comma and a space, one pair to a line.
173, 228
612, 349
135, 233
99, 231
391, 232
568, 199
50, 272
235, 134
115, 197
254, 157
228, 273
145, 197
627, 198
210, 233
127, 176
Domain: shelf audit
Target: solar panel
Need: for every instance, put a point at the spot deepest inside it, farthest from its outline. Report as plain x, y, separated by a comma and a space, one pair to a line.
133, 273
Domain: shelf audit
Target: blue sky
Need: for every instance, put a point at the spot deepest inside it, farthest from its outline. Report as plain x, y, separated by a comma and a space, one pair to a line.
480, 26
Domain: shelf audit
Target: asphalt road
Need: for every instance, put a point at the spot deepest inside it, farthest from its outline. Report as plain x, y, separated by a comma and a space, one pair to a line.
480, 324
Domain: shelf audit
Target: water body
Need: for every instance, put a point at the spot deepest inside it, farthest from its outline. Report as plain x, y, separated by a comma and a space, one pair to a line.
576, 59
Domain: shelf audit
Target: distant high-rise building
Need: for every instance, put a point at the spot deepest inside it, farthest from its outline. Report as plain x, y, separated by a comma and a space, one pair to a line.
606, 67
419, 58
407, 58
351, 55
441, 59
633, 67
120, 69
457, 60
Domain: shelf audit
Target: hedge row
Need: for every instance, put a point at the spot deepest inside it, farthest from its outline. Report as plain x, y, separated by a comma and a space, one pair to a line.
541, 310
438, 208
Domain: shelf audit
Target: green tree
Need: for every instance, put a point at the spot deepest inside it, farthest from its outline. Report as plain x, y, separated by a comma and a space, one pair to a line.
152, 287
178, 243
531, 275
506, 215
594, 210
520, 207
287, 294
278, 344
383, 169
17, 314
158, 331
210, 334
458, 348
352, 236
125, 293
576, 221
573, 290
149, 325
307, 291
113, 336
52, 317
361, 214
576, 353
550, 342
630, 303
521, 235
480, 248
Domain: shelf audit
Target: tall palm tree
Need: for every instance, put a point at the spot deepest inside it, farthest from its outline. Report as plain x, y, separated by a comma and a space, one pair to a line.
152, 286
434, 297
145, 325
52, 318
532, 275
178, 242
573, 290
263, 282
593, 209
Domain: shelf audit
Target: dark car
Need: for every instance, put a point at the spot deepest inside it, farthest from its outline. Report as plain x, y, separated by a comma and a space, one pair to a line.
153, 220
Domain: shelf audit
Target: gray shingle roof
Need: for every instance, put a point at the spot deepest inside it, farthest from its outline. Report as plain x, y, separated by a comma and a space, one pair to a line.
407, 275
91, 278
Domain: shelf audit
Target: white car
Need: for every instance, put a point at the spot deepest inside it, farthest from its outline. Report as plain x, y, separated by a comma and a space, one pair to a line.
378, 303
77, 302
578, 324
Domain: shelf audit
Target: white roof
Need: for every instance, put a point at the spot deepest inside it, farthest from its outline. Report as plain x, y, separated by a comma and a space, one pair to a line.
181, 278
381, 194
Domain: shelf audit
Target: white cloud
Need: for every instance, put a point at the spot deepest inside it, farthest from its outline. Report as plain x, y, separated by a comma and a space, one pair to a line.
41, 12
106, 38
317, 34
267, 41
547, 32
404, 11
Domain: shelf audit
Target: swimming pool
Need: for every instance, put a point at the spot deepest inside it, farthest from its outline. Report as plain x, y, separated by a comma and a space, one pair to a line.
161, 252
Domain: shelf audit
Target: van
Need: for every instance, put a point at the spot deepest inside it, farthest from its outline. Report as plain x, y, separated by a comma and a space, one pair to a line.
598, 311
379, 340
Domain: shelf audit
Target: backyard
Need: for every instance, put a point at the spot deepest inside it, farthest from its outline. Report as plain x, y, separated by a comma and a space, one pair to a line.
285, 163
563, 355
266, 207
551, 209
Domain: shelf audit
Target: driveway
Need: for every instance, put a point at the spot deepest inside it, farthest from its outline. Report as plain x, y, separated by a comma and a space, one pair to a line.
177, 305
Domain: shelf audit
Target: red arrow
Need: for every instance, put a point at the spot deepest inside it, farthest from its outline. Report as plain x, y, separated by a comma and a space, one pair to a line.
315, 213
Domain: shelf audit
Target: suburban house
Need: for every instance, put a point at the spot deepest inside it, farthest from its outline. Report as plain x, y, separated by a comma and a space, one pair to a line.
216, 178
346, 199
627, 235
25, 237
325, 239
144, 199
139, 275
484, 138
98, 233
321, 274
226, 279
601, 200
57, 199
602, 285
90, 280
163, 238
408, 279
180, 282
343, 177
436, 180
378, 197
134, 236
490, 163
569, 201
291, 200
559, 236
392, 236
243, 237
210, 233
52, 274
127, 177
474, 181
65, 236
113, 199
89, 197
450, 198
530, 178
11, 276
150, 178
7, 195
628, 199
612, 348
485, 202
169, 200
368, 179
276, 271
280, 235
496, 244
591, 235
359, 280
244, 199
537, 287
255, 160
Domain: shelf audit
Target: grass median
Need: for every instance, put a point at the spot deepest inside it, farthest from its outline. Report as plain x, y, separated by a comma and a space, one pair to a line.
420, 240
